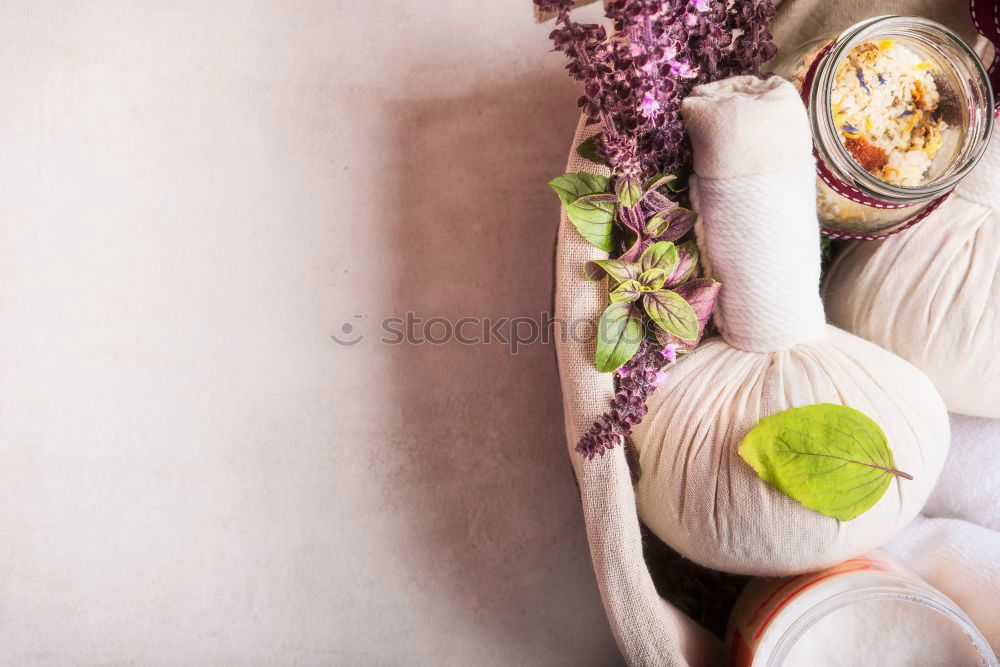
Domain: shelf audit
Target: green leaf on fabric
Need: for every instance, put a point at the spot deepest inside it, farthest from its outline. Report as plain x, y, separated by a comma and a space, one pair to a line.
588, 150
628, 291
830, 458
671, 313
618, 270
593, 219
659, 255
619, 334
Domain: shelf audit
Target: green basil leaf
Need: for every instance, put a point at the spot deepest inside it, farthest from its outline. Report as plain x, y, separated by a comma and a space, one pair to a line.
618, 270
660, 255
671, 313
652, 279
592, 219
628, 291
830, 458
588, 150
619, 333
700, 294
628, 191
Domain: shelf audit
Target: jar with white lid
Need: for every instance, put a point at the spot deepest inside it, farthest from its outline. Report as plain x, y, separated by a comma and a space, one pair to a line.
826, 617
901, 110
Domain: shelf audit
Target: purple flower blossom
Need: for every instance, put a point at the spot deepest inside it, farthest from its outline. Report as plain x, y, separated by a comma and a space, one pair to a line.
637, 380
670, 352
649, 105
633, 85
682, 69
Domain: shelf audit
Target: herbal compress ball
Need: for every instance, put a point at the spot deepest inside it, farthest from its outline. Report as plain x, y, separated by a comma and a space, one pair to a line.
754, 192
932, 294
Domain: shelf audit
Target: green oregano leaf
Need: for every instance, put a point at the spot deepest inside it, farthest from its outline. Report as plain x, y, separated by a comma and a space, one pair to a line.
593, 219
588, 150
619, 333
671, 313
829, 458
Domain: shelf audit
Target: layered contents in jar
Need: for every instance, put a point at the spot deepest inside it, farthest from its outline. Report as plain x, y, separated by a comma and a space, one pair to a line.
885, 107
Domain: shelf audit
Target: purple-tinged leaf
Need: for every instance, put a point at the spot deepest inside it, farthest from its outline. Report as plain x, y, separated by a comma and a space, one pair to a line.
657, 201
681, 222
605, 198
687, 264
701, 295
657, 182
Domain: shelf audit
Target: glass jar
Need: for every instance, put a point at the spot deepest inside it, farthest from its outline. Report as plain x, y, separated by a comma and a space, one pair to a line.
771, 618
913, 88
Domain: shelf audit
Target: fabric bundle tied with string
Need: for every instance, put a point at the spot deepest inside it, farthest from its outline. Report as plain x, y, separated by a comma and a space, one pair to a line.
754, 192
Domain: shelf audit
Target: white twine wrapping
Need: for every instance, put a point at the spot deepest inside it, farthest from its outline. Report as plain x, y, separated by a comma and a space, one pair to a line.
757, 225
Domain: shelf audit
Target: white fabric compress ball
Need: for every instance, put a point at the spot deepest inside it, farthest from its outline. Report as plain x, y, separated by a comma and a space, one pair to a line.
757, 229
932, 294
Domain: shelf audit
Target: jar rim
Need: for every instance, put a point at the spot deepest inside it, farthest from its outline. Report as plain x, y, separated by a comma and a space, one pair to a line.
823, 124
910, 592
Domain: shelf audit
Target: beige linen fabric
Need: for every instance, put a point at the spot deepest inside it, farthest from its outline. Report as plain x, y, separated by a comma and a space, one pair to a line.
775, 353
648, 630
932, 294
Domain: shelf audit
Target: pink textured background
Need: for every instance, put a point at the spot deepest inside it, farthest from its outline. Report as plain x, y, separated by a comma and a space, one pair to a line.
194, 197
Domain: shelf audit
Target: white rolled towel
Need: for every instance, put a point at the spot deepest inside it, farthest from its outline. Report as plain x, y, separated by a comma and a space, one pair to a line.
754, 190
960, 559
969, 487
